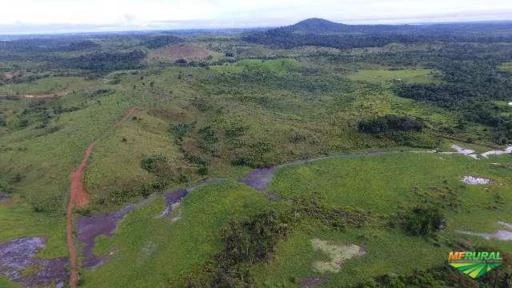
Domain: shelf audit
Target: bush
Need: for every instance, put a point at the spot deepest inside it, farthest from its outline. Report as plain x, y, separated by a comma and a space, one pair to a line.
422, 221
245, 243
153, 163
390, 123
179, 130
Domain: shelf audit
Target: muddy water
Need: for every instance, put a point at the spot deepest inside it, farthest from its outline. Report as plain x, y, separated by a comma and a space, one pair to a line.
504, 234
3, 196
259, 179
20, 254
471, 180
90, 227
174, 197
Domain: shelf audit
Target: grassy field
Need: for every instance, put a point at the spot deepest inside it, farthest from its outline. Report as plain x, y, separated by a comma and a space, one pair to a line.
237, 107
506, 67
155, 252
19, 220
391, 183
381, 76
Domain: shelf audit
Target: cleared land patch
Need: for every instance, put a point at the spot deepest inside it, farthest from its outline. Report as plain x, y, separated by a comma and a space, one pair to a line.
188, 52
338, 254
380, 76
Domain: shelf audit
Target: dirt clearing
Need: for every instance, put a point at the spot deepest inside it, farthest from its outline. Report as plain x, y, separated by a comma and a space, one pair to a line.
337, 253
182, 51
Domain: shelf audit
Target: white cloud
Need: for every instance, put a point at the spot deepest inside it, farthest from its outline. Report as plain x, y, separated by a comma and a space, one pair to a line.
247, 13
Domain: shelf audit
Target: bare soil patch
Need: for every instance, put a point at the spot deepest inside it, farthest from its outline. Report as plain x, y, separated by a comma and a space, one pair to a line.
181, 51
338, 254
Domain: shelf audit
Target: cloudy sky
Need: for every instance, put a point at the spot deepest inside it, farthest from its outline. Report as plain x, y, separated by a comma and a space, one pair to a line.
24, 15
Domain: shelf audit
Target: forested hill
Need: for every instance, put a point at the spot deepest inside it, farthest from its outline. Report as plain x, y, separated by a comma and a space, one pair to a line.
321, 32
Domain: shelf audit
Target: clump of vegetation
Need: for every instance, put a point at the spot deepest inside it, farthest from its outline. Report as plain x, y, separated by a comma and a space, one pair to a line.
422, 221
3, 121
445, 276
257, 155
161, 41
180, 129
4, 186
208, 138
154, 163
103, 62
390, 123
337, 218
245, 243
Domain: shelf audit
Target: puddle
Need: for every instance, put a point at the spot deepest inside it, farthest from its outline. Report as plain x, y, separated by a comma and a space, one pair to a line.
471, 153
19, 254
504, 234
173, 198
507, 150
462, 151
90, 227
470, 180
259, 178
3, 196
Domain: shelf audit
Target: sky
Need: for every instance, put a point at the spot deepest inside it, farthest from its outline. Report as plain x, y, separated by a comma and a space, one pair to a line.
25, 16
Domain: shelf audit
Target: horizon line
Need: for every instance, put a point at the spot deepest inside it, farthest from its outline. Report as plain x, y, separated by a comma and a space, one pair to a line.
76, 29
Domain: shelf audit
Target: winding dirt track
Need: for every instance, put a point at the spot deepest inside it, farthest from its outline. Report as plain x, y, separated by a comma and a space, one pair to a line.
79, 198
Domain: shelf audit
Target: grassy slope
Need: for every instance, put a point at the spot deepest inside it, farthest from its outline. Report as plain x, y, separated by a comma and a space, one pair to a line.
386, 186
304, 101
44, 161
155, 252
19, 220
379, 76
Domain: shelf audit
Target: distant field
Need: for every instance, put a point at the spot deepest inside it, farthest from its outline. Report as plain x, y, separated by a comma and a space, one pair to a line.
506, 67
403, 75
189, 52
47, 86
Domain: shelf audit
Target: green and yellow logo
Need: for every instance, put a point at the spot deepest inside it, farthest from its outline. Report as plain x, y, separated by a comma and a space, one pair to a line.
475, 264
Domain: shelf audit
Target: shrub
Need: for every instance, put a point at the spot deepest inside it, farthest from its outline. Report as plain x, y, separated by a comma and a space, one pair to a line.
390, 123
179, 130
422, 221
245, 243
153, 163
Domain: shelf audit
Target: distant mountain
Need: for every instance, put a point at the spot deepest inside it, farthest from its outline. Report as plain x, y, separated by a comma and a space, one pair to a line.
321, 32
317, 25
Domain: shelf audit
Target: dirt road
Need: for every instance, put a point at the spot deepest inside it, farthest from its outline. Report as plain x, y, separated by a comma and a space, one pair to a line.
79, 198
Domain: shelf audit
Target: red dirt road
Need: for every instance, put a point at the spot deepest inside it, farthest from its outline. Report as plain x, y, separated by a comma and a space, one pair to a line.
126, 117
79, 198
